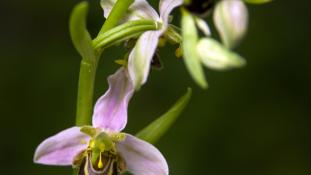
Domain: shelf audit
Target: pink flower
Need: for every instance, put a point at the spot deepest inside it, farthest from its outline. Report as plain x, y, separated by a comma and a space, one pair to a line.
102, 149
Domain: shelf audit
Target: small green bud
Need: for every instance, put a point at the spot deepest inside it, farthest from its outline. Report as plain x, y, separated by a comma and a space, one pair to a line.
190, 39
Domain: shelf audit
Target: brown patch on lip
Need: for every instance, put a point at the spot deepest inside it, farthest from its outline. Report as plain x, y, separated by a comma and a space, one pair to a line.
113, 164
81, 170
77, 161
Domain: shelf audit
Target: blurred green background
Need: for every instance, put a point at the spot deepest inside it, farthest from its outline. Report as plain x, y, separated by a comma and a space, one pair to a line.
255, 120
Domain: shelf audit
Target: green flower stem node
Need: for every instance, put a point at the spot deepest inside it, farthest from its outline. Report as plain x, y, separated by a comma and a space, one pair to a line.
189, 44
258, 1
154, 131
124, 32
79, 34
117, 12
85, 92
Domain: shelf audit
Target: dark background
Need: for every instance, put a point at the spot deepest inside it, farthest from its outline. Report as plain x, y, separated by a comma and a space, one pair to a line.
255, 120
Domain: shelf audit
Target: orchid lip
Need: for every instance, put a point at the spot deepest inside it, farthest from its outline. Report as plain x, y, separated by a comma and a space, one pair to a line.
107, 163
101, 156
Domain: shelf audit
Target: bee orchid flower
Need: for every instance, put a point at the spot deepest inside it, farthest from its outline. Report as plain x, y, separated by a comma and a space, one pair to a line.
101, 149
141, 56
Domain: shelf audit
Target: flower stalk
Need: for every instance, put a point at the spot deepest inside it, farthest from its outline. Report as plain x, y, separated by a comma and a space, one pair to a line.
118, 11
85, 92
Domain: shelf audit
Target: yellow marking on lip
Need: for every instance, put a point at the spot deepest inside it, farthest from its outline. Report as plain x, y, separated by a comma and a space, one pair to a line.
100, 162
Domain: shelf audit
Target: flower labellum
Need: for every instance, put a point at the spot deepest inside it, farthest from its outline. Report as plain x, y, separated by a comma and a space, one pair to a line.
231, 21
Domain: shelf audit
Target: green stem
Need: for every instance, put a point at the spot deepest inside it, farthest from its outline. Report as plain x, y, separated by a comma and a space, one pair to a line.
85, 92
118, 11
123, 32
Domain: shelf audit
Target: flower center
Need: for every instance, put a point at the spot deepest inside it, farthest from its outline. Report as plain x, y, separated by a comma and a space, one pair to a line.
101, 156
107, 164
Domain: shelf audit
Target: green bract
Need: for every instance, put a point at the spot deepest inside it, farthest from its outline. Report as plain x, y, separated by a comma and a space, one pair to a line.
189, 44
154, 131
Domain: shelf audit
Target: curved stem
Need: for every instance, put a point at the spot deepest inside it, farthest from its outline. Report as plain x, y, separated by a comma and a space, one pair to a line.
123, 32
88, 68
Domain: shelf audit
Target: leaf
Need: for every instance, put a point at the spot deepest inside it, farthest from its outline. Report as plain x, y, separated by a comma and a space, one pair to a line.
79, 35
189, 44
154, 131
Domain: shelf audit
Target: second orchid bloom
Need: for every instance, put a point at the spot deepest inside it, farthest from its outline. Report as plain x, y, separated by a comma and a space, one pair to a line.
230, 19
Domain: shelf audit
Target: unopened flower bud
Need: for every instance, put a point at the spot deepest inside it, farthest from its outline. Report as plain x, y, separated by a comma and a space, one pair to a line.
231, 20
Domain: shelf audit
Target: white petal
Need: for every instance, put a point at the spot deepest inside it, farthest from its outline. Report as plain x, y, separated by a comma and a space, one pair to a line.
231, 21
142, 158
141, 9
61, 148
110, 111
141, 57
166, 7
